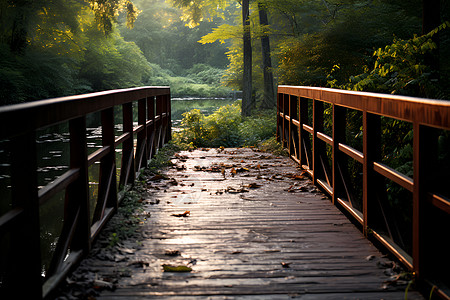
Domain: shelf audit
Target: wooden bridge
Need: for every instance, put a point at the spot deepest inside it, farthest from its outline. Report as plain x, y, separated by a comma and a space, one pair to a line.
255, 229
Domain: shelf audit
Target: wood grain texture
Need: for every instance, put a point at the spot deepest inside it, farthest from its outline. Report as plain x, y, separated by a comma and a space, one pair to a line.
236, 237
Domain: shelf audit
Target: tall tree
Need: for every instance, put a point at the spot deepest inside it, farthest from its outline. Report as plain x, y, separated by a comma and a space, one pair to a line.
195, 10
247, 99
269, 94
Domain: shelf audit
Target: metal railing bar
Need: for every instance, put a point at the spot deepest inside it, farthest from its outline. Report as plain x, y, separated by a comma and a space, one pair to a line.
138, 128
140, 156
323, 137
355, 213
10, 217
295, 122
439, 201
326, 172
401, 255
353, 153
61, 109
344, 183
391, 174
98, 225
78, 233
428, 112
97, 155
58, 185
295, 159
426, 115
325, 186
100, 211
62, 247
122, 138
308, 128
53, 281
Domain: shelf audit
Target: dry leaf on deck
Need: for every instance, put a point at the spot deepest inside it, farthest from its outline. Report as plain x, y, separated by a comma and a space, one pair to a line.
185, 214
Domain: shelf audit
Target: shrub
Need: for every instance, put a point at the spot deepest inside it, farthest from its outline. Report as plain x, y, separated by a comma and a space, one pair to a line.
225, 127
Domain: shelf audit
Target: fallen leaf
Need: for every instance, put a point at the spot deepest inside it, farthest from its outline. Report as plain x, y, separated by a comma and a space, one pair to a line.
172, 268
185, 214
101, 284
126, 250
139, 263
233, 190
253, 185
172, 252
157, 177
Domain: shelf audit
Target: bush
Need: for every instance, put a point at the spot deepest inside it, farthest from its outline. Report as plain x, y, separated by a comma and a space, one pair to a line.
225, 127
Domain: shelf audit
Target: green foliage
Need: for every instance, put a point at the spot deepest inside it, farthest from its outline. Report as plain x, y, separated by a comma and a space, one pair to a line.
273, 146
340, 37
402, 68
199, 81
257, 128
225, 127
106, 12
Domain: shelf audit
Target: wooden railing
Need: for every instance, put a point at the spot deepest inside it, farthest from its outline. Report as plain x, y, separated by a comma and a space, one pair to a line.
312, 125
21, 275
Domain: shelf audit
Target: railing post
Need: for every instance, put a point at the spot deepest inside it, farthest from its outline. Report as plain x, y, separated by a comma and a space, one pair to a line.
293, 136
107, 195
279, 110
303, 136
289, 125
127, 172
151, 127
317, 144
285, 121
339, 159
78, 191
141, 159
169, 117
371, 181
424, 162
23, 278
158, 122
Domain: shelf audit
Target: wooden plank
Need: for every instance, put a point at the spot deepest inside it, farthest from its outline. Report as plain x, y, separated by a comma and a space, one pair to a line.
235, 243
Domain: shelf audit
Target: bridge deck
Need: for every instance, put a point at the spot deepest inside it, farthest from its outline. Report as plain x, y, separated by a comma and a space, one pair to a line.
264, 233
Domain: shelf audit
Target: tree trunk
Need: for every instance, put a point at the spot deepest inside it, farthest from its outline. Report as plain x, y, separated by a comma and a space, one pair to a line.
269, 94
247, 101
21, 9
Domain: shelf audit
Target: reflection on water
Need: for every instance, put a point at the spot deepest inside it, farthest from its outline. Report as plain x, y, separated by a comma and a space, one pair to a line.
53, 150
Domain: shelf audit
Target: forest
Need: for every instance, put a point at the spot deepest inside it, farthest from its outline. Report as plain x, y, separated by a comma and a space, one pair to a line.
65, 47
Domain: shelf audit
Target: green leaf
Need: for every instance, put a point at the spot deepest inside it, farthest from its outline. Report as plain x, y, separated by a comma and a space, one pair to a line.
180, 269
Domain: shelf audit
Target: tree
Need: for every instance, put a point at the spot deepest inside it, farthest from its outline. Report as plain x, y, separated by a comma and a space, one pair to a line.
269, 94
195, 12
48, 46
247, 99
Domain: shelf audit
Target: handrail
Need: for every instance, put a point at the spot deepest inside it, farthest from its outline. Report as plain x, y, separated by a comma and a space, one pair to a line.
19, 226
304, 137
